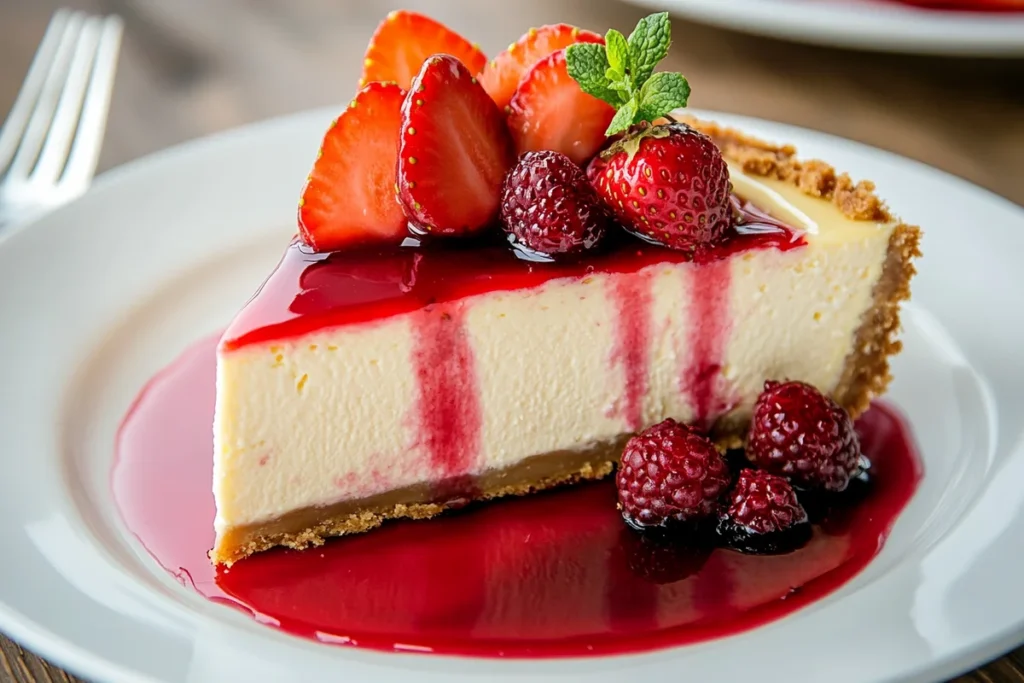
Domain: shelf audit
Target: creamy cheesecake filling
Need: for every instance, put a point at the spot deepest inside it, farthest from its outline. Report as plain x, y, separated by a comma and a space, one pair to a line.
404, 398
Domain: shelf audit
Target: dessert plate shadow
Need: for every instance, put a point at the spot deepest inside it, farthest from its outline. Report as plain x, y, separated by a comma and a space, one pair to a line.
876, 25
98, 296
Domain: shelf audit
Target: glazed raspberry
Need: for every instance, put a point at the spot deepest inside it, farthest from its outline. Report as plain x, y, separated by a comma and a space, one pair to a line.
548, 206
799, 433
670, 473
764, 503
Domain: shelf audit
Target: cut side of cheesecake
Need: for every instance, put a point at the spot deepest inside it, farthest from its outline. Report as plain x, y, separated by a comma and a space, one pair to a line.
398, 382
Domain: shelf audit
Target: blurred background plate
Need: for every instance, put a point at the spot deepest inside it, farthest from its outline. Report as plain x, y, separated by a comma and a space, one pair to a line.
882, 25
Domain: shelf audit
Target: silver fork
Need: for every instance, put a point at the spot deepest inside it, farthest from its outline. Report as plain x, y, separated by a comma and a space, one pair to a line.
51, 139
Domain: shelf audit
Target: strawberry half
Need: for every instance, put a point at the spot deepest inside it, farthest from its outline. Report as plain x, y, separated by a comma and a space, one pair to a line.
349, 197
549, 111
455, 151
501, 76
404, 40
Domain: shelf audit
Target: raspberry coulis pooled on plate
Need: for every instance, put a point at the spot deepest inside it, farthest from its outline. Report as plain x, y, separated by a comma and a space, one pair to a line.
552, 575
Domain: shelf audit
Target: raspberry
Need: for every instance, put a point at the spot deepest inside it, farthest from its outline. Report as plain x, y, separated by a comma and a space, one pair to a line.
549, 207
799, 433
670, 473
764, 503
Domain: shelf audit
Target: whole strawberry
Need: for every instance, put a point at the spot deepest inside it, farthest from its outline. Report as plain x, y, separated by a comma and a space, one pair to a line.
667, 183
670, 473
799, 433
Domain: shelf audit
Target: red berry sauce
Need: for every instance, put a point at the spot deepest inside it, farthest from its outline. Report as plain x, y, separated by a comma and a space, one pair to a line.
552, 575
310, 291
632, 298
448, 402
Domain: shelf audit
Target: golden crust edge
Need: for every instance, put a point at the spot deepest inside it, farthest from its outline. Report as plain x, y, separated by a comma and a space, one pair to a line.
813, 177
866, 374
254, 540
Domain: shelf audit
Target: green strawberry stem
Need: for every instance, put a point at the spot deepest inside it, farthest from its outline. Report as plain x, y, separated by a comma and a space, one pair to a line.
621, 73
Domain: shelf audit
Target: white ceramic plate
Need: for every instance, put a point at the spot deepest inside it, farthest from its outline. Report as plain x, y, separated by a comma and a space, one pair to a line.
865, 24
102, 293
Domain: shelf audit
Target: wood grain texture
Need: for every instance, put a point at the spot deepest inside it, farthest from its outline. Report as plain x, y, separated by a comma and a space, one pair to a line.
195, 67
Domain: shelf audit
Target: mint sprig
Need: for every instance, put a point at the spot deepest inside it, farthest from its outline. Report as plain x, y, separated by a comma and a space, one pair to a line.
621, 73
588, 67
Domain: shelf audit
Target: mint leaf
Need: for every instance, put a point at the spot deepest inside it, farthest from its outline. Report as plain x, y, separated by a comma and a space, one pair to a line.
622, 87
617, 50
623, 118
587, 64
664, 92
648, 45
621, 73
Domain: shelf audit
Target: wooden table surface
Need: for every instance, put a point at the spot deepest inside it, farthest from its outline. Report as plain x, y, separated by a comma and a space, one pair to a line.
193, 67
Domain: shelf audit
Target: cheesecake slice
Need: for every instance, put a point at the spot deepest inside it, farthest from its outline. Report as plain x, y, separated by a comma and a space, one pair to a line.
397, 382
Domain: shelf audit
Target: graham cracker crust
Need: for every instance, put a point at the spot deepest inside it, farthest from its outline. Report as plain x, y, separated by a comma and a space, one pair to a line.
311, 526
865, 376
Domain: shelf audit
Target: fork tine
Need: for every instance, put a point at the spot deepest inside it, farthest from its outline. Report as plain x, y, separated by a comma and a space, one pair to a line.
65, 118
85, 150
14, 126
39, 122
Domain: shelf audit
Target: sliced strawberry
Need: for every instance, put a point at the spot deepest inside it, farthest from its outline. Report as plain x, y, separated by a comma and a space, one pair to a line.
349, 197
404, 40
454, 153
501, 76
549, 111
